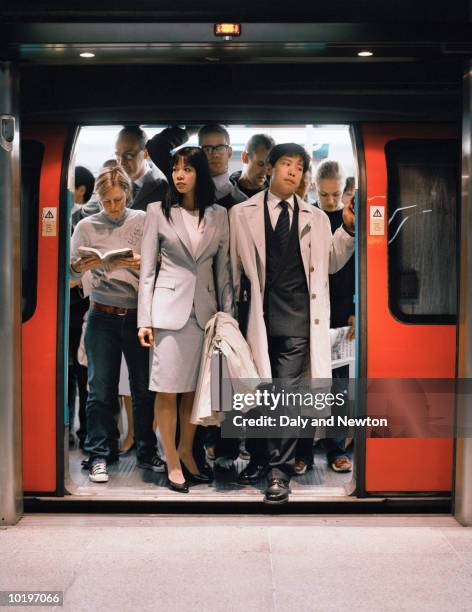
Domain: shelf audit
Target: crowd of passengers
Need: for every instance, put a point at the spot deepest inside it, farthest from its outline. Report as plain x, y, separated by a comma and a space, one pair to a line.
196, 237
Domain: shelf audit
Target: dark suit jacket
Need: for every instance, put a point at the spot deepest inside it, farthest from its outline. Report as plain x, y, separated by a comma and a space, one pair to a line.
152, 190
160, 146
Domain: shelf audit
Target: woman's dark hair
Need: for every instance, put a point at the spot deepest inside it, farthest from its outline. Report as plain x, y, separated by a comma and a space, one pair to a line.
350, 184
204, 186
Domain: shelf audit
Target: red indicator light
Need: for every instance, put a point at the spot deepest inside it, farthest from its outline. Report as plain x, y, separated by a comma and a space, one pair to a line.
227, 29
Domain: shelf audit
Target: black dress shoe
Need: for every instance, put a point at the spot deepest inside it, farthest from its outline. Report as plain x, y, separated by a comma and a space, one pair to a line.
251, 474
277, 491
177, 486
196, 478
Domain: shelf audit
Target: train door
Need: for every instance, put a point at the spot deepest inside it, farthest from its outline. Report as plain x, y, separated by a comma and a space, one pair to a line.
411, 204
44, 216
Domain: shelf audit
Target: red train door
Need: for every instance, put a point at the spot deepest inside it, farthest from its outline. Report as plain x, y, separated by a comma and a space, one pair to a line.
410, 327
42, 342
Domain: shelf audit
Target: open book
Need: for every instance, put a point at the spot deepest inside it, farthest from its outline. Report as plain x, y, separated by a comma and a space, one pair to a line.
106, 257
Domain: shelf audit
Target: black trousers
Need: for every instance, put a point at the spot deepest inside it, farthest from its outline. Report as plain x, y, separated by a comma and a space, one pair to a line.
287, 359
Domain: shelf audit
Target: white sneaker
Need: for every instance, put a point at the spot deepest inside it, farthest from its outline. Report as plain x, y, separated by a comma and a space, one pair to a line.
98, 470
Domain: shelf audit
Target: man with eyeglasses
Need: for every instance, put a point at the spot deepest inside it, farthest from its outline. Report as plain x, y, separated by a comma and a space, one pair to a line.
132, 155
214, 140
132, 151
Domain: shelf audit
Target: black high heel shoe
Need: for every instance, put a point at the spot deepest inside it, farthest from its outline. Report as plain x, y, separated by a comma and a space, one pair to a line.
197, 478
177, 486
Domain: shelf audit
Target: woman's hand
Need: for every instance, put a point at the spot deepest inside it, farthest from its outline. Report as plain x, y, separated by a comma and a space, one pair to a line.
83, 264
132, 263
146, 337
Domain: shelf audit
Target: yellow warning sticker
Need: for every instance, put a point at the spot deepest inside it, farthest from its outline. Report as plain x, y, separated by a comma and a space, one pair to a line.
377, 220
49, 221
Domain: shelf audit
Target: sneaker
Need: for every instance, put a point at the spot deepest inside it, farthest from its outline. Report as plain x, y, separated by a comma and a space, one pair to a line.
155, 464
98, 470
342, 464
301, 467
87, 462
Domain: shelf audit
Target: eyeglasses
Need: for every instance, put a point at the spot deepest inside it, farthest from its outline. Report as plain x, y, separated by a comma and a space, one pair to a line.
210, 149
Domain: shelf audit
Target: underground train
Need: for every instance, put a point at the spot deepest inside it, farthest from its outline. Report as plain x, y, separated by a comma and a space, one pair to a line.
407, 157
407, 336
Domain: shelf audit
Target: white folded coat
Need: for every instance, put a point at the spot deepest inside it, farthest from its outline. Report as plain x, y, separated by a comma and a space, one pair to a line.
222, 333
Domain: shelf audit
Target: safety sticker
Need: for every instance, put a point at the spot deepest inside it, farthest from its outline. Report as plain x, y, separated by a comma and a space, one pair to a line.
377, 220
49, 221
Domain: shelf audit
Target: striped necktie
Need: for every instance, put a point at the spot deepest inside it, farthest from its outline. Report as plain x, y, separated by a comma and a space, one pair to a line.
282, 227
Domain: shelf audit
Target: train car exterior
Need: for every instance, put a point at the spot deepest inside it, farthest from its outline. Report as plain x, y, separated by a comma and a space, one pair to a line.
413, 322
394, 348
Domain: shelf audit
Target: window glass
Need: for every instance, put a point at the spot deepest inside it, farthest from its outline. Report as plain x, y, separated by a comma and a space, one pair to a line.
422, 211
32, 153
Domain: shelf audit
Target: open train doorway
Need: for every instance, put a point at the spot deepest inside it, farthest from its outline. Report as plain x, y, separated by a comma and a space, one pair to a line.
317, 469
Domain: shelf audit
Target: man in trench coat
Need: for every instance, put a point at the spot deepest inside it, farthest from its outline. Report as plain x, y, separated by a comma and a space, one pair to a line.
286, 250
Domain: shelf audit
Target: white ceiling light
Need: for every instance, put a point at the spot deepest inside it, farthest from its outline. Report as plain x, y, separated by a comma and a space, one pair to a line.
87, 55
365, 54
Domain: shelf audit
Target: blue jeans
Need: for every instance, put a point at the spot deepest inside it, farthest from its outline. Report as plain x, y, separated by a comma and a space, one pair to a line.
108, 336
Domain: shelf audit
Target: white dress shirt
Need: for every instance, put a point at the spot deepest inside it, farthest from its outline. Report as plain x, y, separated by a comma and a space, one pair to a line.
194, 230
275, 209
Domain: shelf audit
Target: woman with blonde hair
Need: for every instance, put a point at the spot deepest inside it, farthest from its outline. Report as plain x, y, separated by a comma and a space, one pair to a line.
112, 323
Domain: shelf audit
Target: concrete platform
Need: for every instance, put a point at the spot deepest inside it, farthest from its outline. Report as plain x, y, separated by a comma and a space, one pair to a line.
235, 563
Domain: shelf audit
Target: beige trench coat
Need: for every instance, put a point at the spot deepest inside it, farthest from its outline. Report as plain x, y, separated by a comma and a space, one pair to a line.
322, 253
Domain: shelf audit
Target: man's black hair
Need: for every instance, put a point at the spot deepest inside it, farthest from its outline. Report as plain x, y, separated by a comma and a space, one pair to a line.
289, 149
84, 177
213, 128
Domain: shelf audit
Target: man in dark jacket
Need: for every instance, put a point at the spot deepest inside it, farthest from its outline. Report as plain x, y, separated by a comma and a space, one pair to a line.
133, 150
214, 140
132, 155
161, 145
253, 177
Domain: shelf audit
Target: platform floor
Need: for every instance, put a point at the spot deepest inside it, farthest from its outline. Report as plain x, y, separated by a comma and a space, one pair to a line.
240, 563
